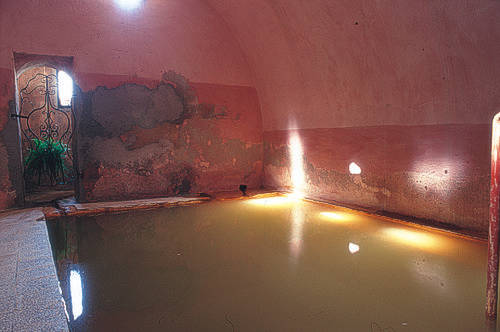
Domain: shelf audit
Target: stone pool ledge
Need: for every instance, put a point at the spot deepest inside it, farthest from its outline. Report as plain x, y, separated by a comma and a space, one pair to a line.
69, 207
236, 195
30, 297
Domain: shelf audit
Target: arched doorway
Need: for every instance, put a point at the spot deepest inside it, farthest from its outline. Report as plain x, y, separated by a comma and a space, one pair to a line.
46, 122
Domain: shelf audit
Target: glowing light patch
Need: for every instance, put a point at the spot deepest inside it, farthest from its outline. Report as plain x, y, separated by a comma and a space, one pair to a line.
411, 237
129, 4
278, 200
335, 216
296, 235
297, 165
353, 248
75, 283
65, 88
354, 168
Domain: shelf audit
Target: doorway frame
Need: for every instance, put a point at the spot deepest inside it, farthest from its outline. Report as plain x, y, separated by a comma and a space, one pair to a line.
22, 62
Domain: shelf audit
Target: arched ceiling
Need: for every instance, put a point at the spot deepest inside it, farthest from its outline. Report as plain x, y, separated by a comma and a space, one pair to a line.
315, 63
324, 63
186, 36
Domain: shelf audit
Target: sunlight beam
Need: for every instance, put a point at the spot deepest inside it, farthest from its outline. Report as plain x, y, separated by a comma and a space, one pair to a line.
297, 165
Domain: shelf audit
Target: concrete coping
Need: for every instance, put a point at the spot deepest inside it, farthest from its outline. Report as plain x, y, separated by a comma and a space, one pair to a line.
30, 296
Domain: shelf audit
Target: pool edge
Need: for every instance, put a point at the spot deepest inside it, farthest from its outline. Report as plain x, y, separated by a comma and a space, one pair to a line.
31, 299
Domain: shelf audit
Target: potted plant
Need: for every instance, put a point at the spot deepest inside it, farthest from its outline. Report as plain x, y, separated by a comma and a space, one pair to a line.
45, 158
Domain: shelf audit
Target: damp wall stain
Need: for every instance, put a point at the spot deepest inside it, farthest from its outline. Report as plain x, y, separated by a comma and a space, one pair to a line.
174, 137
136, 141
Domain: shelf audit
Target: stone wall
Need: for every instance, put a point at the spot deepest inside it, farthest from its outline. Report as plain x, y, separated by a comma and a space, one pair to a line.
136, 141
104, 45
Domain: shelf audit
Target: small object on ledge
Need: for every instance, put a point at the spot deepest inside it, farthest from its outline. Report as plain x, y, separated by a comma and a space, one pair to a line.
243, 189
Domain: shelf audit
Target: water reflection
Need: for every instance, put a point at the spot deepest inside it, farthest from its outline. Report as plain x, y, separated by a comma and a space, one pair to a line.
353, 248
296, 234
334, 216
277, 200
134, 281
434, 275
75, 282
413, 238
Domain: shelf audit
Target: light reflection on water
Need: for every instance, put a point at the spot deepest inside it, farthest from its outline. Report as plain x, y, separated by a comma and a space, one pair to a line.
296, 231
335, 216
75, 281
353, 247
237, 255
271, 201
414, 237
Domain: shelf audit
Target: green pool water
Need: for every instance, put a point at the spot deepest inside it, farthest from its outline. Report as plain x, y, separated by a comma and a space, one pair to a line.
268, 264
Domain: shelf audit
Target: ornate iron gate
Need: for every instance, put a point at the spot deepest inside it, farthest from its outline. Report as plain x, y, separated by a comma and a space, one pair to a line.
40, 115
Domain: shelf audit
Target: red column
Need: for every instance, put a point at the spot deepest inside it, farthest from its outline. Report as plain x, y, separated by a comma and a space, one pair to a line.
492, 280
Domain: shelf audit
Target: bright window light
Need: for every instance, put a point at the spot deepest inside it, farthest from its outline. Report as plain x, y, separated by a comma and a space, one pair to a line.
75, 283
354, 168
65, 88
353, 248
129, 4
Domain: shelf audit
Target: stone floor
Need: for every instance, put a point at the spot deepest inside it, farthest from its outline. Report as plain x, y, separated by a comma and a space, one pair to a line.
30, 298
40, 198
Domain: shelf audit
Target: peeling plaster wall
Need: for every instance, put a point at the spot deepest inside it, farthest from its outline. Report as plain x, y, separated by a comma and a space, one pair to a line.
172, 139
116, 48
410, 86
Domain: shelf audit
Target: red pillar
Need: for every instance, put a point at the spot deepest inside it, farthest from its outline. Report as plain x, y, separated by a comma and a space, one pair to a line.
492, 280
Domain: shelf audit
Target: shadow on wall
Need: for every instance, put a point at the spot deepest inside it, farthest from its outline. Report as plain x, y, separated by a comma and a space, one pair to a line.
134, 141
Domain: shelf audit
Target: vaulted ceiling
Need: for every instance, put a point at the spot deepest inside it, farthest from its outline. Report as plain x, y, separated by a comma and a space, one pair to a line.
316, 63
324, 63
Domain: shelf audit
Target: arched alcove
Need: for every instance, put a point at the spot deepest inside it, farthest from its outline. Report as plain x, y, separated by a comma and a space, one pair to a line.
45, 126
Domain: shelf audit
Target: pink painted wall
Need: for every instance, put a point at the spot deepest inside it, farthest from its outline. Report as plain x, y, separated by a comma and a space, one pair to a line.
185, 36
435, 172
112, 47
7, 192
406, 88
409, 86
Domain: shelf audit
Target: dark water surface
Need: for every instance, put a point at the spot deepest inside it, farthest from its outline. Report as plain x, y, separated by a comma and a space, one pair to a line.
274, 264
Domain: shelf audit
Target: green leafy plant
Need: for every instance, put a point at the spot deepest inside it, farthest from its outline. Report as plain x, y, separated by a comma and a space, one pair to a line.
45, 157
